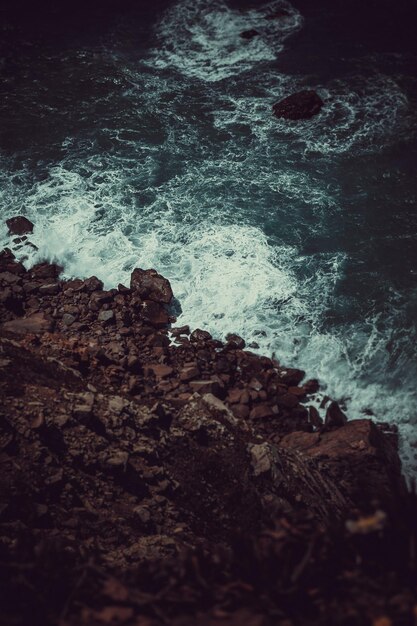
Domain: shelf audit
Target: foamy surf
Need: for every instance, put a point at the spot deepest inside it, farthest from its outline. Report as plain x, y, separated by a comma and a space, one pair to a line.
247, 215
202, 40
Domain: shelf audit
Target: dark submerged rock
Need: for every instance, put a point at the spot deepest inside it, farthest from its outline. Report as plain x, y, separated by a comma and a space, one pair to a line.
299, 106
249, 34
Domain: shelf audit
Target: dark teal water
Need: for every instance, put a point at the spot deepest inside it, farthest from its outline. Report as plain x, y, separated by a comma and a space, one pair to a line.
150, 142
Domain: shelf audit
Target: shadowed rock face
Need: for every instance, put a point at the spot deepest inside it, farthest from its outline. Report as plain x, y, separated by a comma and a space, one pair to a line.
299, 106
156, 459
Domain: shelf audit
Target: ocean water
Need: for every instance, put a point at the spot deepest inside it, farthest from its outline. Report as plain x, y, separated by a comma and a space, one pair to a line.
152, 144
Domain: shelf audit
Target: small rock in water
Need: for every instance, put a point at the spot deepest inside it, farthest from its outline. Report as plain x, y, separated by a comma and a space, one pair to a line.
249, 34
299, 106
19, 225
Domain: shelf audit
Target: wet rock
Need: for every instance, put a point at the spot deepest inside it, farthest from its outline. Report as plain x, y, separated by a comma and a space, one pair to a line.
150, 285
335, 418
180, 330
249, 34
314, 417
311, 386
45, 270
91, 284
36, 323
9, 263
235, 342
199, 335
299, 106
19, 225
291, 377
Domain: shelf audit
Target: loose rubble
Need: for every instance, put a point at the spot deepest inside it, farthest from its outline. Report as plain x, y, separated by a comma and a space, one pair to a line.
153, 475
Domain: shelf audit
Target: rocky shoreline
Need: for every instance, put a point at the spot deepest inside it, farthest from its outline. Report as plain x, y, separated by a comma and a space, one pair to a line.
152, 475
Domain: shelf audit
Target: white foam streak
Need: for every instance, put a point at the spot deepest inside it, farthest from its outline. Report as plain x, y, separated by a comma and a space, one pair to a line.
202, 39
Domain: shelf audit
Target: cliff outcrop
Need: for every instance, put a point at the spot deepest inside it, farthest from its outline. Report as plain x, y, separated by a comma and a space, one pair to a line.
154, 475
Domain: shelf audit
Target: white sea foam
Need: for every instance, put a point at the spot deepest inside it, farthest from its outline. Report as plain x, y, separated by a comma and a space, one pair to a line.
202, 39
359, 115
193, 193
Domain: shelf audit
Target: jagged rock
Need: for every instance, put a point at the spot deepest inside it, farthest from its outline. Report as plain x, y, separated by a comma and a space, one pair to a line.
299, 106
335, 418
19, 225
45, 270
150, 285
155, 314
189, 371
9, 263
91, 284
200, 335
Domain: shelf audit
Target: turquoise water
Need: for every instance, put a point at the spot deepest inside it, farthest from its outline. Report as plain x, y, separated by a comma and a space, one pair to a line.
151, 143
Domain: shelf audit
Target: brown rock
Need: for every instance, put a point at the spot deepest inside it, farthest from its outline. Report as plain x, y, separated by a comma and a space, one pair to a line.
200, 335
208, 386
189, 372
287, 400
335, 418
291, 377
359, 458
106, 317
9, 263
151, 286
155, 314
314, 417
91, 284
37, 323
235, 342
159, 370
49, 289
261, 411
45, 270
299, 106
240, 410
19, 225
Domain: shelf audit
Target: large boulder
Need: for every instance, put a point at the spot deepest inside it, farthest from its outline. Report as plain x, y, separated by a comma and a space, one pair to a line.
19, 225
299, 106
150, 285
